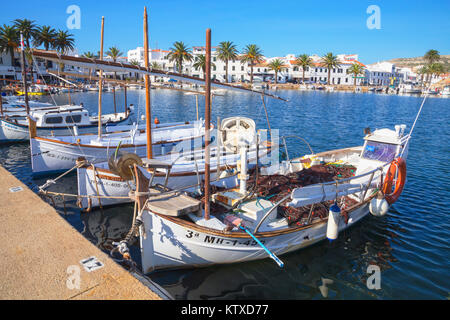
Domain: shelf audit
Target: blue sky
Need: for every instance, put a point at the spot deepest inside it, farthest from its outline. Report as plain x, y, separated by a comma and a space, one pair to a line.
408, 28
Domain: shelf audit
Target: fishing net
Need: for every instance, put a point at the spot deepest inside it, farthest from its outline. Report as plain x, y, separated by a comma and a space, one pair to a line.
276, 187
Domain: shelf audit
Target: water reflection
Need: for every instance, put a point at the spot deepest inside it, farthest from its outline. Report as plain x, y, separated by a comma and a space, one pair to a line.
409, 245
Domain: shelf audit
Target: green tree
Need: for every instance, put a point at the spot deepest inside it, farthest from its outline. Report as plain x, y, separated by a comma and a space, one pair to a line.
89, 55
200, 63
252, 54
45, 36
435, 69
356, 69
180, 53
114, 53
9, 39
135, 63
303, 61
432, 56
329, 61
276, 66
28, 29
227, 52
64, 42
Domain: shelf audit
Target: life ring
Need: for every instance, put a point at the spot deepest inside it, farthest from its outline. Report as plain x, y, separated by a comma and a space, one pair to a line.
398, 166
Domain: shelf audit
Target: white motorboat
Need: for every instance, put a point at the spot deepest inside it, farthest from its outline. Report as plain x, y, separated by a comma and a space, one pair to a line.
60, 121
410, 88
446, 91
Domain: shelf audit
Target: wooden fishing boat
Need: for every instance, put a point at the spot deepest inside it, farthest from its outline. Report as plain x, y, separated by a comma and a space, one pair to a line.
50, 155
102, 185
284, 217
276, 210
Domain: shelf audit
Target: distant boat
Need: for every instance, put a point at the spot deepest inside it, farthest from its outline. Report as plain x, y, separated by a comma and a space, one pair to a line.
56, 121
410, 89
446, 91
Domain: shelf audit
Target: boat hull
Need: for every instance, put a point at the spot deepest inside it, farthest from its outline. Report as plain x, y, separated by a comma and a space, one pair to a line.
11, 131
105, 183
166, 244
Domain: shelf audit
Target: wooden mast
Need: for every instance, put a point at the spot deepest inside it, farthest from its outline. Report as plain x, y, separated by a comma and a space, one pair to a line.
125, 96
207, 121
24, 74
148, 111
100, 84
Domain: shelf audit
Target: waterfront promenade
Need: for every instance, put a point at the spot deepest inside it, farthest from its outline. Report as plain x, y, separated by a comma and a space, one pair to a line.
41, 254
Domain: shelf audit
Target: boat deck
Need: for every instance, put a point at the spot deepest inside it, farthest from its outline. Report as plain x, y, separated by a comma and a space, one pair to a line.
42, 253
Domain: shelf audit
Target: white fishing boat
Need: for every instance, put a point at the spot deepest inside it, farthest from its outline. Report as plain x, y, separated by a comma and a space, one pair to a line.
102, 185
410, 88
257, 221
58, 153
446, 91
275, 210
60, 121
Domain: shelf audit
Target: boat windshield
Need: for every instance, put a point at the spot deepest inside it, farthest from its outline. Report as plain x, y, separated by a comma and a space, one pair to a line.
379, 151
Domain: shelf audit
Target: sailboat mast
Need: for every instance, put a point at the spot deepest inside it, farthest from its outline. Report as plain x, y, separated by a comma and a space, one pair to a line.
207, 121
24, 74
148, 111
100, 84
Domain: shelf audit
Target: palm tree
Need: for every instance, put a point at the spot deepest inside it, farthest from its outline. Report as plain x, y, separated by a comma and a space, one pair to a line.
180, 53
155, 65
252, 54
114, 53
200, 63
423, 71
329, 61
28, 29
89, 55
276, 66
435, 69
9, 39
45, 35
356, 69
303, 61
136, 63
432, 56
227, 51
63, 42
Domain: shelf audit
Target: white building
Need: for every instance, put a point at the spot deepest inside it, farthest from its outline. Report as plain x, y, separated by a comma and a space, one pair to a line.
240, 72
383, 74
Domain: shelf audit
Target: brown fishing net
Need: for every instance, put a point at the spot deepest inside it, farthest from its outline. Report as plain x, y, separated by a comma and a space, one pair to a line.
275, 187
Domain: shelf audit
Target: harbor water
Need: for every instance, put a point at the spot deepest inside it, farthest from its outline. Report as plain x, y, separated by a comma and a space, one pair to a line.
410, 244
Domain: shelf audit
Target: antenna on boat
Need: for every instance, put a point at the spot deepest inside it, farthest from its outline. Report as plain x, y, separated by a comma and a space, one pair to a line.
415, 121
207, 120
267, 115
24, 74
148, 110
100, 84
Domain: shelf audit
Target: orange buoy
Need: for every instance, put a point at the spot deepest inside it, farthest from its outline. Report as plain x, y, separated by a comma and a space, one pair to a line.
156, 120
397, 168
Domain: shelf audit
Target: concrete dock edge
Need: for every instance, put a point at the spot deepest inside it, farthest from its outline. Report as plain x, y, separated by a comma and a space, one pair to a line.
40, 254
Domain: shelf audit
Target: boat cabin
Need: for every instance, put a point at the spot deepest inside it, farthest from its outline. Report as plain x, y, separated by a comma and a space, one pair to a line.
62, 117
383, 145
